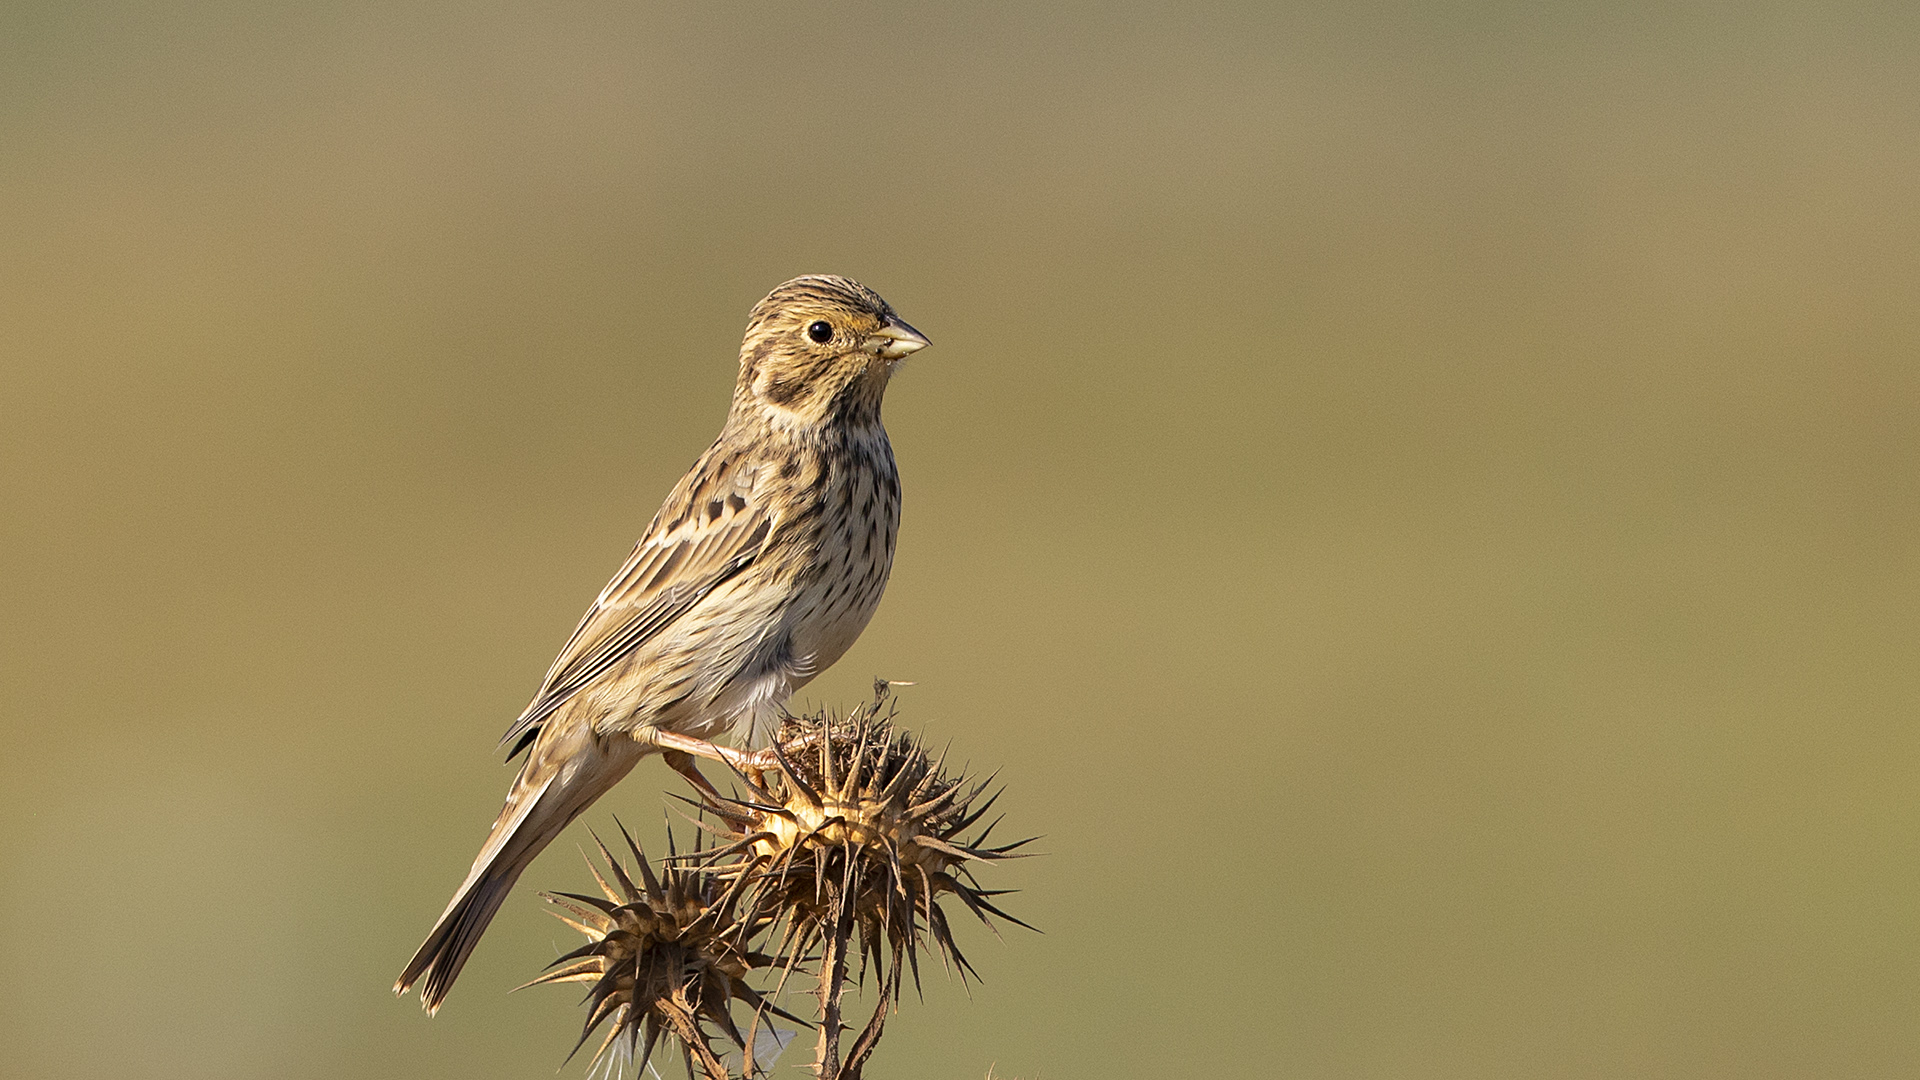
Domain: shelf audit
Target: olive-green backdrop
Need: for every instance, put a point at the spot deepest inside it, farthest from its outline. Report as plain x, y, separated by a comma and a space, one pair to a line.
1420, 501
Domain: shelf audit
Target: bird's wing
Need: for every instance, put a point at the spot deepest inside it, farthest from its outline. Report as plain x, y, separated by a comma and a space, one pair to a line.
711, 528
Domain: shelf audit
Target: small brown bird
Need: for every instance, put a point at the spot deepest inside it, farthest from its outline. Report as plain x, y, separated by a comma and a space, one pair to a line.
759, 571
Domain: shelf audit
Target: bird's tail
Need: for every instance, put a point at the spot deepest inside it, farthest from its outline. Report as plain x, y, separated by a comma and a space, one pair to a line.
549, 793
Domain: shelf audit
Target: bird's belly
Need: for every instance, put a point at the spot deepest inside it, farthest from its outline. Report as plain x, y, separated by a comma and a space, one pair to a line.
829, 614
855, 557
821, 623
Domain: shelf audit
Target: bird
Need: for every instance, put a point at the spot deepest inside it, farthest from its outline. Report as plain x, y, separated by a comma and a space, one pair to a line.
760, 569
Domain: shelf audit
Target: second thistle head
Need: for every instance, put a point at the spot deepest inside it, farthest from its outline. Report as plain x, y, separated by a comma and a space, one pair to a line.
660, 958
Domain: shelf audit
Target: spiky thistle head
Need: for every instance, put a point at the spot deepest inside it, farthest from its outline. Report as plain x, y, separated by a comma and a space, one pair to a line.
860, 829
661, 956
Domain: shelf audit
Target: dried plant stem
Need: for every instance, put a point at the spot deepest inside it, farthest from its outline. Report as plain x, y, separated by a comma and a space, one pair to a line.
695, 1042
833, 986
833, 983
870, 1037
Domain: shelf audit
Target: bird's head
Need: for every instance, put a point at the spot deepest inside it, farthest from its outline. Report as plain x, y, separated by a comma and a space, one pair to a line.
820, 349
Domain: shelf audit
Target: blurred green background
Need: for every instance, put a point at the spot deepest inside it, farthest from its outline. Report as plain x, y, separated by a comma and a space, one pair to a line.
1422, 502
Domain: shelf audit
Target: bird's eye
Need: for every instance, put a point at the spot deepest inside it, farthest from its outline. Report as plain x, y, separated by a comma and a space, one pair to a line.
819, 331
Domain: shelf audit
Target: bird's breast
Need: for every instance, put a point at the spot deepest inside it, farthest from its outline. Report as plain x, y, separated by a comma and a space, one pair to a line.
853, 554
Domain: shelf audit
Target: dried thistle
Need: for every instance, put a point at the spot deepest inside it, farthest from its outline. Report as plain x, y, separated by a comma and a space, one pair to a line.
669, 957
853, 841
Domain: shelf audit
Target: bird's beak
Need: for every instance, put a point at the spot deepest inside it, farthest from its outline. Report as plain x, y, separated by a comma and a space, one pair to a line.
896, 339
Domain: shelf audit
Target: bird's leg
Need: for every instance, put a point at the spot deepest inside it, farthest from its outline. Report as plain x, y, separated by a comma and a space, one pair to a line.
680, 750
687, 744
682, 762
